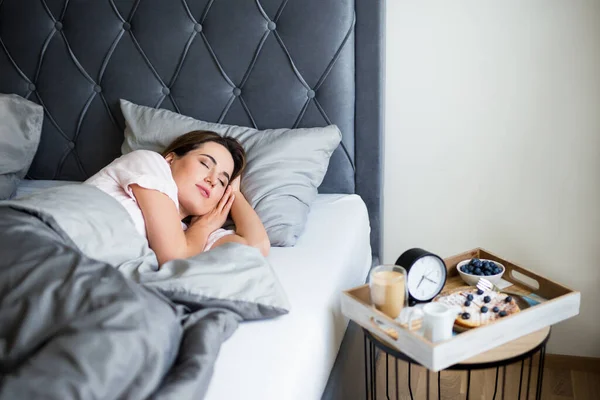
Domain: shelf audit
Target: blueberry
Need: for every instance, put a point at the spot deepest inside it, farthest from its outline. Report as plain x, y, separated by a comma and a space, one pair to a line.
470, 297
484, 309
508, 299
477, 271
487, 273
502, 313
479, 292
474, 261
497, 271
492, 264
467, 303
495, 309
487, 299
464, 268
466, 315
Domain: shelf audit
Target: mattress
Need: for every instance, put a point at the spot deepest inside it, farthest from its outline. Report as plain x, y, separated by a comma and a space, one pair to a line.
291, 357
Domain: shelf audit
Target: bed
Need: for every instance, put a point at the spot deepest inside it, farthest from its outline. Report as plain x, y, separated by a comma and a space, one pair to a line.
263, 64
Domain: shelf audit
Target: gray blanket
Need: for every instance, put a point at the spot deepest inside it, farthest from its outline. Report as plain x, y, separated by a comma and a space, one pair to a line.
85, 313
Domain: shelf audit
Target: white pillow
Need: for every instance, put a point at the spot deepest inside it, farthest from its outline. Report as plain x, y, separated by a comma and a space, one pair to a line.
284, 166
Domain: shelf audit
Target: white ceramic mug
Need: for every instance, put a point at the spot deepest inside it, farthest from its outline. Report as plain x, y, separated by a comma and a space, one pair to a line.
438, 320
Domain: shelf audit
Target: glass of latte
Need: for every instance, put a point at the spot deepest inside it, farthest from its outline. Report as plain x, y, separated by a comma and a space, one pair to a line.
387, 284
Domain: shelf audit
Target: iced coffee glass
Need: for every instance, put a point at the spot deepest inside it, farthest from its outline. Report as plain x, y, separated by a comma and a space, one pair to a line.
387, 284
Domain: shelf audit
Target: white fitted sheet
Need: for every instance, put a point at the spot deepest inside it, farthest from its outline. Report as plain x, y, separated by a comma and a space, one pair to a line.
291, 357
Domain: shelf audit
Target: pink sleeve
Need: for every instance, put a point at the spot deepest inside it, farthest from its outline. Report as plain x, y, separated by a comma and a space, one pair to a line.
216, 235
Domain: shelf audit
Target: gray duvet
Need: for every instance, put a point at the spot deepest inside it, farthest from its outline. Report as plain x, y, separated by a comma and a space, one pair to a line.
86, 314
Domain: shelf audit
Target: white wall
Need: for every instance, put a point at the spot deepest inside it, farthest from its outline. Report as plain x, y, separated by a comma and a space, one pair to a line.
493, 140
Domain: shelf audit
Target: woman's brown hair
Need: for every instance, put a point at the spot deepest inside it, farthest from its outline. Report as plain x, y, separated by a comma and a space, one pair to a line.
194, 139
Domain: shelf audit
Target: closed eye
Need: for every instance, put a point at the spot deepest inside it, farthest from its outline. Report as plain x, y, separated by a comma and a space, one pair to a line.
222, 183
205, 164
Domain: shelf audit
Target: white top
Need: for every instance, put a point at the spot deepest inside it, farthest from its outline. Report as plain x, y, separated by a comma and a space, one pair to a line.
149, 170
290, 357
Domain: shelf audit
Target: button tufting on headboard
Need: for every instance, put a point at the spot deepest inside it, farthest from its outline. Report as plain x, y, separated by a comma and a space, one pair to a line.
199, 56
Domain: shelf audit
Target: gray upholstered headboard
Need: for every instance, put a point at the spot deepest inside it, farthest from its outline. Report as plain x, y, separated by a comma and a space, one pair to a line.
263, 63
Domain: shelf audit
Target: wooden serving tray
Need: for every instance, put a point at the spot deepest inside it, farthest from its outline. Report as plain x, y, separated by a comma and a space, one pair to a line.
562, 303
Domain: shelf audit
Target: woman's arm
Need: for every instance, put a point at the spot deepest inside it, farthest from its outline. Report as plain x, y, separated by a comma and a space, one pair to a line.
248, 227
163, 224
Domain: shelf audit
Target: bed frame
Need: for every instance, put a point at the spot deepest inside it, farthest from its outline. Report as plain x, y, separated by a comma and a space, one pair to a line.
263, 63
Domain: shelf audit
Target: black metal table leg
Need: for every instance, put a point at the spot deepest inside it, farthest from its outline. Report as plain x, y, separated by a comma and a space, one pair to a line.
521, 379
366, 371
373, 372
538, 391
503, 381
387, 392
468, 383
427, 372
496, 384
397, 391
409, 382
529, 376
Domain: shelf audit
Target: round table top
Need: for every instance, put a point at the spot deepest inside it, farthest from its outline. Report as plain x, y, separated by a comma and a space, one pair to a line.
512, 349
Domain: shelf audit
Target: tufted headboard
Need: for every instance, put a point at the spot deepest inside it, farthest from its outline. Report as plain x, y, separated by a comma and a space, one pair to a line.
263, 63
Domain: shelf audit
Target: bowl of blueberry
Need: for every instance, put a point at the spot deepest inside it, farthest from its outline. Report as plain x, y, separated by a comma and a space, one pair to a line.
474, 269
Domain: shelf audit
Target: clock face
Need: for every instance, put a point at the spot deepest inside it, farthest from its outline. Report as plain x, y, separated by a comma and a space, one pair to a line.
426, 278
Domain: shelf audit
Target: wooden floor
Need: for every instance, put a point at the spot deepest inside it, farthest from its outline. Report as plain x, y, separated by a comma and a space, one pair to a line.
557, 384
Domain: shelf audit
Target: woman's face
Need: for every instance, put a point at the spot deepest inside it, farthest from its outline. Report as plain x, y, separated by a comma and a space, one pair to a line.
202, 175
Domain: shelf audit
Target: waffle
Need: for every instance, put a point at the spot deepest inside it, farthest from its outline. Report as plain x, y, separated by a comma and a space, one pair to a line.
476, 317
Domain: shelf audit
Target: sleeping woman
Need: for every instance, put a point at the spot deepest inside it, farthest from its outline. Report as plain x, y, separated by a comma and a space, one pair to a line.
196, 180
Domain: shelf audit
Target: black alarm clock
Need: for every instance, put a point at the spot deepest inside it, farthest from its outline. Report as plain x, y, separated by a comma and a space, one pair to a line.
425, 274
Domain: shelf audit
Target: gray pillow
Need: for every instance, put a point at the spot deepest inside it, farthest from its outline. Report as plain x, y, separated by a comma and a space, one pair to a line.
20, 130
284, 166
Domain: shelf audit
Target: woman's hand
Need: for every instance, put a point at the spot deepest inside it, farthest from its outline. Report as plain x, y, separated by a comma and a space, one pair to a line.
249, 229
217, 217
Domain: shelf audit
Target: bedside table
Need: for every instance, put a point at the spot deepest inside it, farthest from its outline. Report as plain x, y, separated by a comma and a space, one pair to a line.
518, 350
